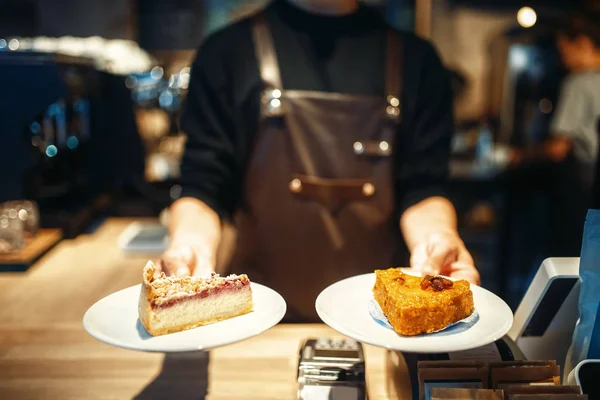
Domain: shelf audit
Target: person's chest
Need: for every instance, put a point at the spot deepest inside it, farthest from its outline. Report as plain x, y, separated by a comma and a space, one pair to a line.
310, 60
330, 61
593, 89
352, 64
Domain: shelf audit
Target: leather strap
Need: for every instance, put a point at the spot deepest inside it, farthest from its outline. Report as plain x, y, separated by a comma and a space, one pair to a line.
333, 194
394, 73
269, 67
265, 52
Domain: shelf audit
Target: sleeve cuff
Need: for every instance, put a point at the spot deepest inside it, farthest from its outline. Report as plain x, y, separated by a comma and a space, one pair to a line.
415, 196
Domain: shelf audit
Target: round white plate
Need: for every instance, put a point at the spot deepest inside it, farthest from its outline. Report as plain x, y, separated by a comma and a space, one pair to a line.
114, 320
344, 306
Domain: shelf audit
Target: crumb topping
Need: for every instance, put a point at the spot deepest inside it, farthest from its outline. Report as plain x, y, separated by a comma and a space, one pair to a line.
168, 288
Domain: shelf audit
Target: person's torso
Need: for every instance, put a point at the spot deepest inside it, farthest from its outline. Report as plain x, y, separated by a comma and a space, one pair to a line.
319, 185
314, 54
587, 136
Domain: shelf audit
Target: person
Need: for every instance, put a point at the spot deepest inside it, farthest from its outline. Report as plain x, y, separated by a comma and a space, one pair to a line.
321, 135
571, 150
574, 128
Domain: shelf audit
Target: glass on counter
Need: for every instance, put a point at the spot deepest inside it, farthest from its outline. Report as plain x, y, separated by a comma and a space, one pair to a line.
12, 235
25, 211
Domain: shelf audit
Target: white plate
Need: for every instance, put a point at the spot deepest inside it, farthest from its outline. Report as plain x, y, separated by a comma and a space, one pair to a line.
114, 320
344, 306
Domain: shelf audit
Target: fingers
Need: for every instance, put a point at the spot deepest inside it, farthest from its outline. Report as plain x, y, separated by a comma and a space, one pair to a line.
443, 255
440, 252
466, 271
186, 255
203, 267
464, 256
431, 257
418, 256
184, 261
177, 262
173, 267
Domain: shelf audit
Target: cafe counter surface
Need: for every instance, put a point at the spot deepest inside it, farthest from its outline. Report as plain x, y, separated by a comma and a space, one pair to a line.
46, 353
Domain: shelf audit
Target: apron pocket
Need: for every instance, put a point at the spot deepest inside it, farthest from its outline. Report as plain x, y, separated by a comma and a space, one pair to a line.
372, 148
333, 194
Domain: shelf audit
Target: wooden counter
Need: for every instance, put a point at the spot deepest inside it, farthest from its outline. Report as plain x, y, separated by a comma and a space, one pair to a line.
46, 353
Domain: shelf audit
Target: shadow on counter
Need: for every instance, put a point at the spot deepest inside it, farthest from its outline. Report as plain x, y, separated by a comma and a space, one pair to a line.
183, 376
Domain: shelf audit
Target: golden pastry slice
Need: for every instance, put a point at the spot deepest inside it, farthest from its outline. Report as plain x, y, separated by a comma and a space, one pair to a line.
415, 305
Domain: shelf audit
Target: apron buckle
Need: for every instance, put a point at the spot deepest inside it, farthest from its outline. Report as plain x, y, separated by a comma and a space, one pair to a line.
272, 105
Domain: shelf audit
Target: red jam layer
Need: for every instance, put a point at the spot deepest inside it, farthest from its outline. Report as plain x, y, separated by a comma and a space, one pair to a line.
226, 287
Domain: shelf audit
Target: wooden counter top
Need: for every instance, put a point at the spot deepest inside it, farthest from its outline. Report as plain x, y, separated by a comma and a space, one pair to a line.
46, 353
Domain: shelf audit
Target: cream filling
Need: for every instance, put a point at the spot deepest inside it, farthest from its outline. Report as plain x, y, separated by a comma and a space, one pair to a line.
202, 310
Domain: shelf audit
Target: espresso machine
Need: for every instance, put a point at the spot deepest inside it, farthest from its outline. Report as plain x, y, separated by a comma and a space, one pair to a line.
69, 136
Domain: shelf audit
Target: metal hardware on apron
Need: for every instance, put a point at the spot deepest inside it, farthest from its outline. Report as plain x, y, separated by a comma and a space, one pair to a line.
319, 186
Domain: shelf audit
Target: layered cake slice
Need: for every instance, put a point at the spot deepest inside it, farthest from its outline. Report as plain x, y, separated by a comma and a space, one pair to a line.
415, 305
173, 304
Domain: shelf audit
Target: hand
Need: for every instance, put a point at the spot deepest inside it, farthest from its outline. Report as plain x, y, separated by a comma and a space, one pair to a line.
444, 253
558, 148
185, 261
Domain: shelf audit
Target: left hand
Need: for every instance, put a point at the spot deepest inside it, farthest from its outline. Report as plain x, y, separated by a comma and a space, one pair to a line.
444, 253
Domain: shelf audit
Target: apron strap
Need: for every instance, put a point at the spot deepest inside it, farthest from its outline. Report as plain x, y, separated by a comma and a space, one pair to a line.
270, 75
394, 74
265, 52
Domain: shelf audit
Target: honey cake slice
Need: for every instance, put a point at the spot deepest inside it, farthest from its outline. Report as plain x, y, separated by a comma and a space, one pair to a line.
416, 305
173, 304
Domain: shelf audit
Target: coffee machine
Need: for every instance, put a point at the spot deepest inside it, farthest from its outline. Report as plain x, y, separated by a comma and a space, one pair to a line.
69, 136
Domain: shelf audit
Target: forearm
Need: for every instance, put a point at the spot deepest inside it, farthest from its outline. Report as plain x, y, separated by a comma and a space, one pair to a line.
555, 149
432, 215
192, 223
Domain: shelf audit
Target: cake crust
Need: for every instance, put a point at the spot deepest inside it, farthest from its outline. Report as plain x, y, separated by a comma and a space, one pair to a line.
173, 304
416, 305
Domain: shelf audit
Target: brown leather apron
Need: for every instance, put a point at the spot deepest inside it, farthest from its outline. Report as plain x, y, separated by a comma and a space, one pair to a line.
319, 187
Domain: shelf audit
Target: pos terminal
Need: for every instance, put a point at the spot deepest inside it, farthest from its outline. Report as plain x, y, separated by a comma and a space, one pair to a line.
545, 319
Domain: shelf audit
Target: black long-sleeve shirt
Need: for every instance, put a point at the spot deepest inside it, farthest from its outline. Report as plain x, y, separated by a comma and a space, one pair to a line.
343, 54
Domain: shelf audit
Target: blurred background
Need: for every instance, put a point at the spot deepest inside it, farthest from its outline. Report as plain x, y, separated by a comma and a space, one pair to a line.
92, 90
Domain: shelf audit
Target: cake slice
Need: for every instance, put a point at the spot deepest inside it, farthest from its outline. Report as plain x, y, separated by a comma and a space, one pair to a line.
173, 304
415, 305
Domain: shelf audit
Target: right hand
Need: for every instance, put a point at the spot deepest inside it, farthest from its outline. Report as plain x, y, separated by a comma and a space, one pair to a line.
185, 261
